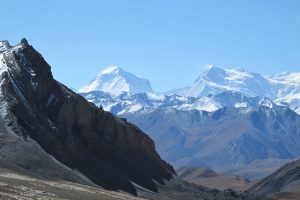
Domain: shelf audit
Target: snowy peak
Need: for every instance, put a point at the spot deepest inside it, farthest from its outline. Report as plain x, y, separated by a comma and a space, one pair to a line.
4, 45
114, 80
212, 74
110, 70
216, 80
287, 85
213, 89
9, 55
267, 103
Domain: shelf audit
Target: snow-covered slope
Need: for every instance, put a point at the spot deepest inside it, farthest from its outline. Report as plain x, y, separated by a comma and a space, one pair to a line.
141, 102
216, 80
115, 80
282, 88
147, 102
287, 85
124, 91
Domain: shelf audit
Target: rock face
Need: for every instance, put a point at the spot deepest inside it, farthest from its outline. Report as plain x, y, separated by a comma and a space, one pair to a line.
51, 131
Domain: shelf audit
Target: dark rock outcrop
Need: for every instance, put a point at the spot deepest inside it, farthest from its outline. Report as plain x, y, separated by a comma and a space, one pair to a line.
53, 129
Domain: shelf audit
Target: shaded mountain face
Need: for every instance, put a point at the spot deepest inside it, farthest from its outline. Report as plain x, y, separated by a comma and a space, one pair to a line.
51, 131
249, 142
285, 180
114, 80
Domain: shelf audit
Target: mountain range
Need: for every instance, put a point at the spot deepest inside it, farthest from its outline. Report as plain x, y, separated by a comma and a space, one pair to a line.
248, 142
230, 120
283, 89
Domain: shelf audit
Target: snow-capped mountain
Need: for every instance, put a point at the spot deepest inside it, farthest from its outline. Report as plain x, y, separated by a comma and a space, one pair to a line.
216, 80
287, 86
147, 102
141, 102
115, 80
283, 88
120, 92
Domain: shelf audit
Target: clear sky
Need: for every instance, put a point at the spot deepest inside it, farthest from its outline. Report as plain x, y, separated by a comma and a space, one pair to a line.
166, 41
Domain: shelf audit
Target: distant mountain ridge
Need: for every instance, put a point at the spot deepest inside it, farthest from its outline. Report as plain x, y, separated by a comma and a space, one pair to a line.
230, 120
251, 142
147, 102
283, 89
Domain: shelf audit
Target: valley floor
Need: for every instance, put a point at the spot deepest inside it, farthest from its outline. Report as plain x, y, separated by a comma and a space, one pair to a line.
14, 186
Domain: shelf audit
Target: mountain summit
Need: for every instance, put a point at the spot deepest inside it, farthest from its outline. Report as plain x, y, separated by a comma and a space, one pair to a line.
115, 80
216, 80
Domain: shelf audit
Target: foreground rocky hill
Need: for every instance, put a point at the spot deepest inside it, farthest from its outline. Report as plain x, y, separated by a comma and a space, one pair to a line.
51, 131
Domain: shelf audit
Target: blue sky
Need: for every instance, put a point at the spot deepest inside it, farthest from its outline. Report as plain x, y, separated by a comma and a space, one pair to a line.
168, 42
